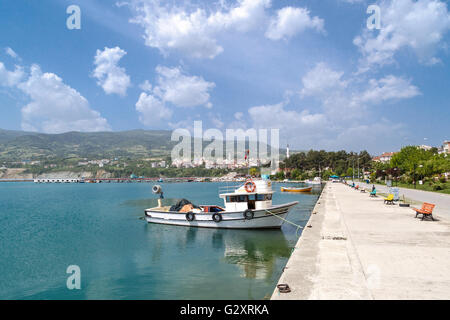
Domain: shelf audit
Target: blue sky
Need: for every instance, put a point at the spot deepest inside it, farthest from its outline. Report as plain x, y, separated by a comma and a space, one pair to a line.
310, 68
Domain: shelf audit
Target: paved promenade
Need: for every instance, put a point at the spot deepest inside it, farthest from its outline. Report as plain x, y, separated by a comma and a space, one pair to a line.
441, 200
359, 248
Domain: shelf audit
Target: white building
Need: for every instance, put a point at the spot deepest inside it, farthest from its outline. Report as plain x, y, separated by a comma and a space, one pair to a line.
385, 157
425, 147
446, 146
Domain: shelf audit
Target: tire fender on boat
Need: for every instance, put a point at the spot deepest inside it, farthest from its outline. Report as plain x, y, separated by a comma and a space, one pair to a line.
248, 214
190, 216
217, 217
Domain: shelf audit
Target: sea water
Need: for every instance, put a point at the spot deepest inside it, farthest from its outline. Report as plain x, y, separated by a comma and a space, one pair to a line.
45, 228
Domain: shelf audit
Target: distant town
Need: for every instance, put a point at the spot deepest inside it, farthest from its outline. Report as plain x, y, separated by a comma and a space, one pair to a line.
423, 166
387, 156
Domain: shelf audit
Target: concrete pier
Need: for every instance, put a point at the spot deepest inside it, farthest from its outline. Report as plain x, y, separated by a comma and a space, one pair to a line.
359, 248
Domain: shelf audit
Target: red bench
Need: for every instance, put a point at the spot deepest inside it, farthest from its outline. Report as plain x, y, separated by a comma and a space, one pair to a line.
426, 210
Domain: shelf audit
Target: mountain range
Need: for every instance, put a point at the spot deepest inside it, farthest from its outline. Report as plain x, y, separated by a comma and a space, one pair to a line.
136, 144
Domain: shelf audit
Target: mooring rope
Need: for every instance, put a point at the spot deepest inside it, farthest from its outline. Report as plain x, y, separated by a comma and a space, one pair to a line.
285, 220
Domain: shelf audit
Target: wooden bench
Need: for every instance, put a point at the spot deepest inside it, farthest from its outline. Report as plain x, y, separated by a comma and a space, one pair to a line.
426, 210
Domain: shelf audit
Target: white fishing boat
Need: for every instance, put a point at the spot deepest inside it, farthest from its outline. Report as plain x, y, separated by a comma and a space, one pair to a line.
246, 206
315, 182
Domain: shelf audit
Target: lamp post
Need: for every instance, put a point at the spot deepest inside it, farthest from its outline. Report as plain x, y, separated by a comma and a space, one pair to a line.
320, 173
353, 169
420, 166
414, 175
358, 168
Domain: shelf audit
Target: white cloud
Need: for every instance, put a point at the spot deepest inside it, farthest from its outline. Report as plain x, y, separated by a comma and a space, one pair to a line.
173, 87
247, 15
341, 116
111, 77
364, 136
276, 116
146, 86
194, 31
238, 115
321, 79
182, 90
417, 25
174, 29
389, 87
334, 95
216, 121
345, 99
55, 107
152, 110
291, 21
352, 1
10, 52
323, 130
10, 78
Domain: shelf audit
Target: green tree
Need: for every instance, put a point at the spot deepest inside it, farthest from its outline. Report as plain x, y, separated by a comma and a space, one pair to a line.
349, 172
254, 172
409, 158
295, 174
280, 175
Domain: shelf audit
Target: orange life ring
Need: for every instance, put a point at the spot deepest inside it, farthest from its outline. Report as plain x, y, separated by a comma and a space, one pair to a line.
250, 186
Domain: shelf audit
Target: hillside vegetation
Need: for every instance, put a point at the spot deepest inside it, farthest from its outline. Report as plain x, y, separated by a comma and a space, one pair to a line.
18, 145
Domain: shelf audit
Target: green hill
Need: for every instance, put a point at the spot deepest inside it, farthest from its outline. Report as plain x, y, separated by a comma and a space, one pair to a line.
135, 144
18, 145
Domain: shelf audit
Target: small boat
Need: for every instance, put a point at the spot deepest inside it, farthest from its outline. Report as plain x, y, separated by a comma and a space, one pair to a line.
315, 182
246, 206
292, 189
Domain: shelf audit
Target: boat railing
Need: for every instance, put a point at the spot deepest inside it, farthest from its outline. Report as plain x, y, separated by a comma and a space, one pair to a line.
230, 188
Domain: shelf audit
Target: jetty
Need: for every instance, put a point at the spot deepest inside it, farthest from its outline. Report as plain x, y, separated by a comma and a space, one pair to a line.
356, 247
106, 180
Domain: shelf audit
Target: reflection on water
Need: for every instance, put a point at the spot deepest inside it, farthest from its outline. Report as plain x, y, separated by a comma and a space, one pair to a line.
96, 226
256, 252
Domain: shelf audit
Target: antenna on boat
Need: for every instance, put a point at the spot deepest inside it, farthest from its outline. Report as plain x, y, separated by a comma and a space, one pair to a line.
247, 159
156, 189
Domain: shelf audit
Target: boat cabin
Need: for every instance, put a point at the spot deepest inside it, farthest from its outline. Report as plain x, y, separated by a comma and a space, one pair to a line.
253, 195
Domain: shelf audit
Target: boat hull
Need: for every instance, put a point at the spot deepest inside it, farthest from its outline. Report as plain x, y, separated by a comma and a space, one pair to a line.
307, 189
230, 220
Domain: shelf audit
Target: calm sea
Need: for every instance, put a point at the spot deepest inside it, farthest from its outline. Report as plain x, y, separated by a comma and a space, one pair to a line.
44, 228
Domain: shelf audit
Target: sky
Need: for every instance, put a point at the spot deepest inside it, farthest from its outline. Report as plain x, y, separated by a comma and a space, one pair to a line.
312, 69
